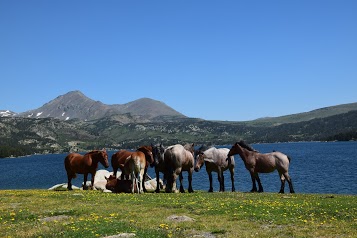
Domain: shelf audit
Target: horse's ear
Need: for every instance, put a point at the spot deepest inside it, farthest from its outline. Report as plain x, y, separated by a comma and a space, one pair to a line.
104, 150
193, 144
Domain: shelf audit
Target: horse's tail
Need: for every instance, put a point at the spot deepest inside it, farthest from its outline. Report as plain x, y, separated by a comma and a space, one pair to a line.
289, 158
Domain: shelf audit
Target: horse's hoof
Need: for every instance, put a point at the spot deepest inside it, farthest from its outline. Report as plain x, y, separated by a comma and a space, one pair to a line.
210, 191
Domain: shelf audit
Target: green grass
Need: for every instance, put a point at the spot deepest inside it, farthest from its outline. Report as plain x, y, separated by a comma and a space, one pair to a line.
43, 213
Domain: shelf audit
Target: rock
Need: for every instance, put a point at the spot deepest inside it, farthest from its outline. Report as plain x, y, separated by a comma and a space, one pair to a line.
179, 218
121, 235
62, 186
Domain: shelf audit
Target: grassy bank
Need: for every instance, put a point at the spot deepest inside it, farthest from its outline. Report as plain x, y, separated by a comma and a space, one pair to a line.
42, 213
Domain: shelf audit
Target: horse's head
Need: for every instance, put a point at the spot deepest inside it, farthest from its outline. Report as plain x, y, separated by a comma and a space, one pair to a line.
147, 150
103, 158
111, 183
190, 147
158, 152
200, 159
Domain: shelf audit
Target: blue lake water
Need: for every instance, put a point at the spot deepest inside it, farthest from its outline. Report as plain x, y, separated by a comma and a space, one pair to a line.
316, 167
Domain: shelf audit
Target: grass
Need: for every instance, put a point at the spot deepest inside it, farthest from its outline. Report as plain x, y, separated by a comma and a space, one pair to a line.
43, 213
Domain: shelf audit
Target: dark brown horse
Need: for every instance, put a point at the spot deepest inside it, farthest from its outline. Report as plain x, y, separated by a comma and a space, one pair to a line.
158, 152
256, 162
84, 164
120, 157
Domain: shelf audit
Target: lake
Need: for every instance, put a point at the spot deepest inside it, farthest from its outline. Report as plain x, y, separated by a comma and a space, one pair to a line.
316, 167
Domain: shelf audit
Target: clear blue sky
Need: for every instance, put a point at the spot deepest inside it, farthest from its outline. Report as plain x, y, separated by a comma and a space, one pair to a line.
217, 60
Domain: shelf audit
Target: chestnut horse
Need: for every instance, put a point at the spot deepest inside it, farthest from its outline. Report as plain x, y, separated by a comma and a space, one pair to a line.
216, 161
84, 164
119, 158
178, 158
256, 162
135, 165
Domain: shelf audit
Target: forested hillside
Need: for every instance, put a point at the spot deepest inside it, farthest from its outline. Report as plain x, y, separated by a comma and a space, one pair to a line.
21, 136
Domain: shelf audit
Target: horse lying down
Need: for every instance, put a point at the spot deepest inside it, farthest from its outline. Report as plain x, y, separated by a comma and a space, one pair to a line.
117, 185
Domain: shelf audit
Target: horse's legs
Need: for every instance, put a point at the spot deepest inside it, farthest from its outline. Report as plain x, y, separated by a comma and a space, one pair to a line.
69, 184
143, 180
157, 190
182, 190
92, 179
260, 190
140, 183
287, 177
282, 180
190, 189
133, 182
254, 188
232, 179
221, 180
85, 187
210, 182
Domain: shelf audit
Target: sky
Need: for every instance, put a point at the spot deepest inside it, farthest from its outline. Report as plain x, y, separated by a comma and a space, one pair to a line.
230, 60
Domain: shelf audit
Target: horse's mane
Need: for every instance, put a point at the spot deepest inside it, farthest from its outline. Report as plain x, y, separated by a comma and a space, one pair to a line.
246, 146
145, 148
203, 148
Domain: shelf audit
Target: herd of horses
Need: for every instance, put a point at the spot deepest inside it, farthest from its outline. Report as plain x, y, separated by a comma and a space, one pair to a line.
173, 160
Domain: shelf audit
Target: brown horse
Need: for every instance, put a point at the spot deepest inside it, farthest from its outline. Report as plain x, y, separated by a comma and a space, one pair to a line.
117, 185
119, 158
256, 162
178, 158
215, 161
84, 164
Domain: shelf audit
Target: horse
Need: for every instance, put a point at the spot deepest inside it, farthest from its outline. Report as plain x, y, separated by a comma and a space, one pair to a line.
158, 152
117, 185
178, 158
256, 162
84, 164
119, 158
216, 161
135, 165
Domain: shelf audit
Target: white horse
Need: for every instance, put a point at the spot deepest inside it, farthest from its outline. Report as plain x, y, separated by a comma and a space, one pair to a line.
178, 158
216, 161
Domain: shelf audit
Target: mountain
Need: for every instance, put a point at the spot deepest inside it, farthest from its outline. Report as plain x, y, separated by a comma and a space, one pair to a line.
305, 116
7, 113
75, 105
